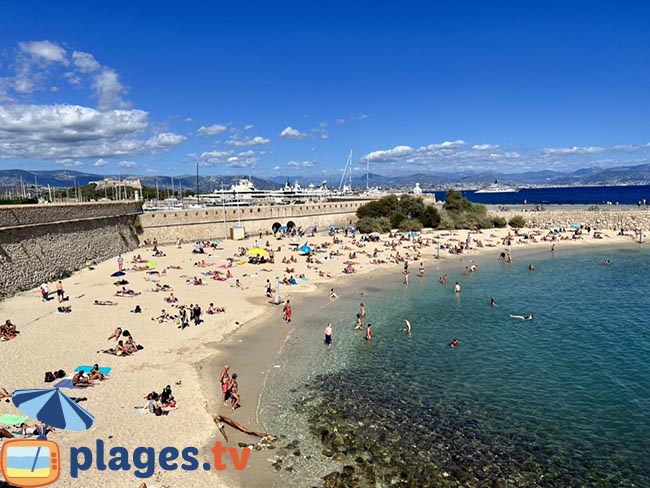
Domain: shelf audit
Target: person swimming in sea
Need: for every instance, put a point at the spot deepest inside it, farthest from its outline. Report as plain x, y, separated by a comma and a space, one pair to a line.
523, 317
408, 326
453, 343
493, 302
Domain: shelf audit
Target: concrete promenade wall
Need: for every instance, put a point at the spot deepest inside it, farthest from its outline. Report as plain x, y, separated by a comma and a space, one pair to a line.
208, 223
41, 243
602, 219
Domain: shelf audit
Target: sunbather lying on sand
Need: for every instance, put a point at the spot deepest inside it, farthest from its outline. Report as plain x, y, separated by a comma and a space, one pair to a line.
81, 380
105, 302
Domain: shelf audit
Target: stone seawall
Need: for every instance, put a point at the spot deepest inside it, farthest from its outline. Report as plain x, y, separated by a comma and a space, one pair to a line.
208, 223
41, 243
602, 219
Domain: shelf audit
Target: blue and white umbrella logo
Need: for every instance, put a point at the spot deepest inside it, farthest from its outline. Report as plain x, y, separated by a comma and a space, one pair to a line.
53, 408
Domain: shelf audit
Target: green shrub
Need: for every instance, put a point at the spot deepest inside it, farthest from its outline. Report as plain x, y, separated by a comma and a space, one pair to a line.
410, 225
499, 222
517, 221
366, 225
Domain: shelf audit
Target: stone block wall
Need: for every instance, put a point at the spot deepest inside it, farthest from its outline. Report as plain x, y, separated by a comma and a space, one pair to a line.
43, 243
602, 219
211, 223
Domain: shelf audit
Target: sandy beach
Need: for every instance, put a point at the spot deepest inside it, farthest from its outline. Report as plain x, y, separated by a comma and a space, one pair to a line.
247, 336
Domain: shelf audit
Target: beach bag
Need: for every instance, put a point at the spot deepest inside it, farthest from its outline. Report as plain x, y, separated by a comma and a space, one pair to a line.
60, 374
158, 411
49, 377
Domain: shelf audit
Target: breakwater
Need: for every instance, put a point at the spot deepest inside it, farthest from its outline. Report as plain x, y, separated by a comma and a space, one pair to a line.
42, 243
604, 218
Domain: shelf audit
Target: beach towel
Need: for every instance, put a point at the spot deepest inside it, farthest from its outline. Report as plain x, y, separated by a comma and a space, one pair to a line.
67, 383
10, 419
86, 369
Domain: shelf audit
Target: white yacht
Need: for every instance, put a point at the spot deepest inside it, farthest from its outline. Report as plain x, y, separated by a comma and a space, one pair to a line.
496, 188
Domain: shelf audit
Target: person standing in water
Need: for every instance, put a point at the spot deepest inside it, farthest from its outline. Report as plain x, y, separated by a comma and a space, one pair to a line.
408, 326
368, 332
362, 311
421, 271
286, 312
457, 287
328, 335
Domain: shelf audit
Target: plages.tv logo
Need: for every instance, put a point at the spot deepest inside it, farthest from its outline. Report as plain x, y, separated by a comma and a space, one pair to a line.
30, 463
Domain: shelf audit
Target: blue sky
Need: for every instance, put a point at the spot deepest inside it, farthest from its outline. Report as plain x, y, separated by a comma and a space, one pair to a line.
290, 88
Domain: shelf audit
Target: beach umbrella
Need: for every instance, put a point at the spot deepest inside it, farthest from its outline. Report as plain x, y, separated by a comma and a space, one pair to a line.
284, 228
257, 251
575, 226
53, 408
305, 249
118, 273
150, 264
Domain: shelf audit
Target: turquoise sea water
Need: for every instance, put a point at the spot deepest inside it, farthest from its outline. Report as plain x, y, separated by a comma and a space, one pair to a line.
562, 400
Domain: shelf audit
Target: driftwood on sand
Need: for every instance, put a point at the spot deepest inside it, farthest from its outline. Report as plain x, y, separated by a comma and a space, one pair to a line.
219, 420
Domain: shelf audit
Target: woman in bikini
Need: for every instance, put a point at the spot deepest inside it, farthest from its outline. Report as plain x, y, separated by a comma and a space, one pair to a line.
234, 395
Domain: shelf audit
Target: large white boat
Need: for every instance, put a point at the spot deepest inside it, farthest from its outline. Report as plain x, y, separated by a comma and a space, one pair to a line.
496, 188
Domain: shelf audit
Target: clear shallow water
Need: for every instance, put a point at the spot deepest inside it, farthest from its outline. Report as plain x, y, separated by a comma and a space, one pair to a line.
563, 400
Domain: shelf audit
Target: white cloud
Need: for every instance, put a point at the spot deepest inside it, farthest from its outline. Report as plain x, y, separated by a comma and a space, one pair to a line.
109, 90
211, 130
57, 132
248, 153
574, 150
70, 163
340, 121
248, 126
100, 163
389, 154
248, 141
276, 168
165, 140
44, 51
363, 117
128, 165
302, 164
485, 147
85, 62
189, 119
291, 133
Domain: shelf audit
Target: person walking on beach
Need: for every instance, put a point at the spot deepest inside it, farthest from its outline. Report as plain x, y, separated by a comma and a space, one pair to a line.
120, 262
233, 388
328, 335
224, 379
369, 332
59, 291
286, 312
45, 293
269, 290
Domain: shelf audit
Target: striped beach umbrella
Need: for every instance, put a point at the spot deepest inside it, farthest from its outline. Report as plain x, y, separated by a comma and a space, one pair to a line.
53, 408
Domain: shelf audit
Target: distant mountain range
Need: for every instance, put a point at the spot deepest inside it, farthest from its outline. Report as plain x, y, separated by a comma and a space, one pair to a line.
628, 175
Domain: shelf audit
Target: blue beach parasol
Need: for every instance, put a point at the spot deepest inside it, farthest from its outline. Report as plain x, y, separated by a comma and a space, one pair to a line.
305, 249
118, 273
53, 408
